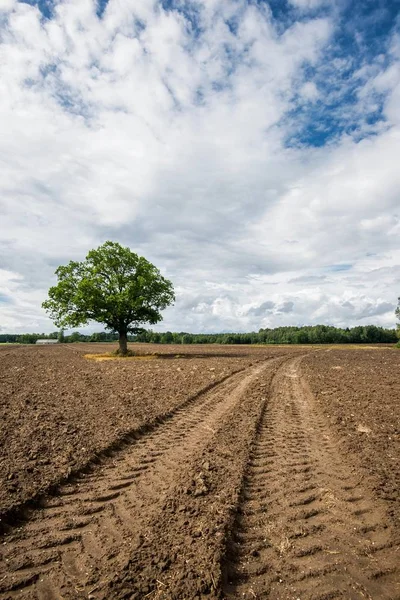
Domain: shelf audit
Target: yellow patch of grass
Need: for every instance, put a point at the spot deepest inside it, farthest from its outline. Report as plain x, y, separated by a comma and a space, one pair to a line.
360, 347
328, 346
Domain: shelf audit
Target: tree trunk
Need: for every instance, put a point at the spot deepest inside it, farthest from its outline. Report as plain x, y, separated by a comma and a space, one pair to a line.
123, 344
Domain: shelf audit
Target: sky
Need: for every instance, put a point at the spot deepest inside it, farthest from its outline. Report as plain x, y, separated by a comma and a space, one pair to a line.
249, 149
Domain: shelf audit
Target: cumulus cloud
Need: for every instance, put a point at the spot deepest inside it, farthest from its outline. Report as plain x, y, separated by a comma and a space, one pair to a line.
180, 132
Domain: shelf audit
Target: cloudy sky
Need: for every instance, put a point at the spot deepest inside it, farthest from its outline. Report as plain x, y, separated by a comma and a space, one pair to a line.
250, 149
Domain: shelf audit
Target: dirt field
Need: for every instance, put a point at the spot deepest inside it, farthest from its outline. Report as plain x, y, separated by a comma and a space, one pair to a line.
360, 395
226, 472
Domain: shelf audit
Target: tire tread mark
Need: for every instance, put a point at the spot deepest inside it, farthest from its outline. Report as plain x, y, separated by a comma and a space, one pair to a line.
20, 513
114, 515
295, 518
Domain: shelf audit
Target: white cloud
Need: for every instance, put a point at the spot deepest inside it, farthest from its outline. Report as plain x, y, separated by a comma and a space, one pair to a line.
7, 5
309, 91
169, 136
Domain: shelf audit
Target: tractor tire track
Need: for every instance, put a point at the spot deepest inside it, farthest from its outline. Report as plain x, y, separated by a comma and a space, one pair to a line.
306, 527
18, 513
88, 529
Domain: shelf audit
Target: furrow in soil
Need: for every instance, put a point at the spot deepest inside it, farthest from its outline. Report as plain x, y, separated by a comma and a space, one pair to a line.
90, 528
306, 527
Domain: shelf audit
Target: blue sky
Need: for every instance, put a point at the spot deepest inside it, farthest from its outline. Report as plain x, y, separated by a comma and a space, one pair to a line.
249, 149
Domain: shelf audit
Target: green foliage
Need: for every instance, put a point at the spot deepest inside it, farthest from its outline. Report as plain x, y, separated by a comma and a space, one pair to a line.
27, 338
167, 338
75, 337
113, 286
30, 338
314, 334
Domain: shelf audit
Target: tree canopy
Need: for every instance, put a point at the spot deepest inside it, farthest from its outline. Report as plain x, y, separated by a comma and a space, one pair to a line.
113, 286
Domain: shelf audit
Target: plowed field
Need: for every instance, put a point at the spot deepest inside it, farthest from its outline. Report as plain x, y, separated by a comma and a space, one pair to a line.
211, 472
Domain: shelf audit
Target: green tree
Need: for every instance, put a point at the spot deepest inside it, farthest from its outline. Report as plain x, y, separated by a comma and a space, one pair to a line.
75, 337
113, 286
167, 338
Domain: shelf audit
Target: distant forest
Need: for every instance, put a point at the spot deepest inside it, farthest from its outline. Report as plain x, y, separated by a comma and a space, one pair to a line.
312, 334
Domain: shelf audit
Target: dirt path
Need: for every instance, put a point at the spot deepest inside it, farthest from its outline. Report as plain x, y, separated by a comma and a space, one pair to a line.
87, 532
305, 526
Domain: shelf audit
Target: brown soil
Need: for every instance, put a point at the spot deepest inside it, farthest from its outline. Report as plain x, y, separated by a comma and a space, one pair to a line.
359, 392
59, 411
307, 525
245, 488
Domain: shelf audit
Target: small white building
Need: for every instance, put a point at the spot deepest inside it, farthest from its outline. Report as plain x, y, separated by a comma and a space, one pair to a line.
43, 342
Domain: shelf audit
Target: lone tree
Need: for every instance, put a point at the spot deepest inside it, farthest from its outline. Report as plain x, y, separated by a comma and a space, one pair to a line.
113, 286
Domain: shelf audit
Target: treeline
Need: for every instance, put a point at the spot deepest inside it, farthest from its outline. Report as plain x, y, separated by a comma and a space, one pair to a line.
313, 334
31, 338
